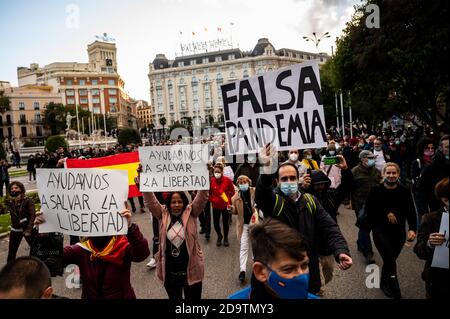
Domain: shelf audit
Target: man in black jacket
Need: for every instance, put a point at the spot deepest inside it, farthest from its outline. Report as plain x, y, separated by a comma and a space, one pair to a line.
300, 211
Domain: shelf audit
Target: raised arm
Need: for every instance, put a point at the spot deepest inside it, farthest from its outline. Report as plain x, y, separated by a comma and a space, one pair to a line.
199, 202
153, 205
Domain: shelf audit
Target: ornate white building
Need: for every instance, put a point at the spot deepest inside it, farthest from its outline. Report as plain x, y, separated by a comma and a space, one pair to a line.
187, 89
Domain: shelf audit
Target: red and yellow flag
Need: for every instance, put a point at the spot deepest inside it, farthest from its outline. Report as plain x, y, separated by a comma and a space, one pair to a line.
124, 161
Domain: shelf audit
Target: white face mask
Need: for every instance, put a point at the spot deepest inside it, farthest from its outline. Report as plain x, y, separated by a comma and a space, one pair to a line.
217, 175
332, 152
293, 157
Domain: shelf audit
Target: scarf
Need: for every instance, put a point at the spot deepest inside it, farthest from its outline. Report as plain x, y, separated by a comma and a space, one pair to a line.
113, 252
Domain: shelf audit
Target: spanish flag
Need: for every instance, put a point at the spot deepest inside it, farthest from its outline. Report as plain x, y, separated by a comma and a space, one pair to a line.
125, 161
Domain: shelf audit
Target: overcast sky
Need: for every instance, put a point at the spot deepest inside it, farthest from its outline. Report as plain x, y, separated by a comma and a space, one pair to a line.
59, 31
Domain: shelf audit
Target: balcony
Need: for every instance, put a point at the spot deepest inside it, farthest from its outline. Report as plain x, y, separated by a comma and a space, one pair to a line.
36, 122
22, 121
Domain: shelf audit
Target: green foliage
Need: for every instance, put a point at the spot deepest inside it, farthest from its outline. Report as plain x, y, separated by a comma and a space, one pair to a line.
400, 67
29, 143
54, 142
55, 117
5, 103
129, 136
175, 125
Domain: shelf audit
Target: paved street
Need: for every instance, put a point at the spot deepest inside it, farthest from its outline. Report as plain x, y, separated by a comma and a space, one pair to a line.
222, 269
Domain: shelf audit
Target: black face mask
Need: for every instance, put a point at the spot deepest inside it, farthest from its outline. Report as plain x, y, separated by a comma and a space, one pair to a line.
100, 242
14, 194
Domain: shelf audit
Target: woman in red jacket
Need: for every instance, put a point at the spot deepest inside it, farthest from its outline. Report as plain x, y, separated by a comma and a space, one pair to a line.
220, 193
105, 262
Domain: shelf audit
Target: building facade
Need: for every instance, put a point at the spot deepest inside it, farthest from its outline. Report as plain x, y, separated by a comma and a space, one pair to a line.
95, 86
187, 89
23, 122
144, 113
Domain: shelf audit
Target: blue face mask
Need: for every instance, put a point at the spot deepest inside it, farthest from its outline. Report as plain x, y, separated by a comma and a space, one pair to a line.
243, 187
370, 162
289, 188
294, 288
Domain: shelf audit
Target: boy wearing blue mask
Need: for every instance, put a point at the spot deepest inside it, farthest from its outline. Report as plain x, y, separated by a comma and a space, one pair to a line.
280, 267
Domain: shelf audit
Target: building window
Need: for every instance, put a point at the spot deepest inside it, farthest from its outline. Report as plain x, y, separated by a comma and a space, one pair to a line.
96, 110
181, 82
95, 100
232, 76
70, 101
231, 56
218, 58
245, 74
193, 62
38, 131
81, 82
181, 63
69, 82
111, 82
194, 81
83, 100
82, 92
112, 92
112, 99
169, 84
21, 106
36, 106
95, 92
23, 130
94, 82
219, 78
23, 119
70, 93
37, 117
205, 60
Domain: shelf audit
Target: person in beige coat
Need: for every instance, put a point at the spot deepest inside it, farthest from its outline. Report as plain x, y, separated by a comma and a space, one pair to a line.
243, 205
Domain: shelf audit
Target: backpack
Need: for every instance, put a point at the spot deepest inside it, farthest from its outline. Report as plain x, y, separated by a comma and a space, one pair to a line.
279, 204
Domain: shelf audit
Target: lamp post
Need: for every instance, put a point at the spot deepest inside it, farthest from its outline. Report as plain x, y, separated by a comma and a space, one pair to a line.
317, 39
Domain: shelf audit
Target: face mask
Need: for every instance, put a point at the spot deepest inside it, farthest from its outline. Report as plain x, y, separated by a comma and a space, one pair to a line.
389, 183
309, 157
243, 187
428, 153
397, 142
377, 148
217, 175
14, 194
251, 158
331, 152
360, 145
370, 162
293, 157
289, 188
294, 288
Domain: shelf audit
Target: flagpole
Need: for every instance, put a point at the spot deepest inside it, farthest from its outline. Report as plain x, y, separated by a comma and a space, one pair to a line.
231, 33
342, 114
78, 125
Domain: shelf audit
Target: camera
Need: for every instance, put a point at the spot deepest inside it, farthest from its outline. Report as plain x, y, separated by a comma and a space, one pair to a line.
331, 160
50, 250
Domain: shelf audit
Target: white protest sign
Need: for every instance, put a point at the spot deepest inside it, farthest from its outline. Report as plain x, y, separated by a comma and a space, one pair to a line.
283, 107
440, 256
83, 201
174, 168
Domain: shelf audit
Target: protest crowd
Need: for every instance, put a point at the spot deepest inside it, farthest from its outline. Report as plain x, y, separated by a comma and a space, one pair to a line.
281, 201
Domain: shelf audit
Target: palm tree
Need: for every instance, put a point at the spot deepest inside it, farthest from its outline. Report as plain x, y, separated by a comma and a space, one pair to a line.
163, 122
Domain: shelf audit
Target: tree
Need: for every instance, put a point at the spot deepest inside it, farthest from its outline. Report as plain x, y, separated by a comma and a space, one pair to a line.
400, 67
129, 136
54, 142
55, 117
5, 103
176, 125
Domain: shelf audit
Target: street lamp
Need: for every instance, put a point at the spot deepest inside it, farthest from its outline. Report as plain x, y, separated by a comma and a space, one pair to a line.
316, 39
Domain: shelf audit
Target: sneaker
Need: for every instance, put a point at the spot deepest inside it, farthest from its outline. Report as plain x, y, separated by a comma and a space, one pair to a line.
152, 263
242, 277
219, 241
226, 243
